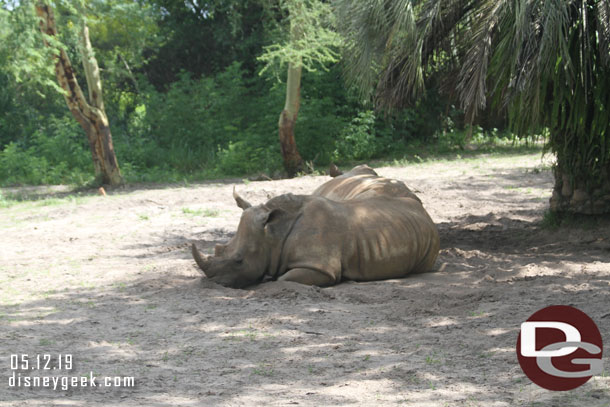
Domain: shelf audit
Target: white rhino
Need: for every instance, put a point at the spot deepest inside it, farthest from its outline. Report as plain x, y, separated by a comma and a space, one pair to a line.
380, 232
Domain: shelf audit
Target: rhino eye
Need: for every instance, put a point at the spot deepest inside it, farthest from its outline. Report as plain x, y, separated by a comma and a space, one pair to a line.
238, 260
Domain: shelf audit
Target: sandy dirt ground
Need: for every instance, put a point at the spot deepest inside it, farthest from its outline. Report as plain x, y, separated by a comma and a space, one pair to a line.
110, 280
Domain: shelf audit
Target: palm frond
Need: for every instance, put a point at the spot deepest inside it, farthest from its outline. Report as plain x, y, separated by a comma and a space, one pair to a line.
472, 82
394, 43
603, 29
368, 28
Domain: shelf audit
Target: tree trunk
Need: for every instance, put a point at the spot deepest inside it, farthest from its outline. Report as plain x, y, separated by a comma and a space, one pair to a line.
581, 186
90, 115
580, 194
293, 162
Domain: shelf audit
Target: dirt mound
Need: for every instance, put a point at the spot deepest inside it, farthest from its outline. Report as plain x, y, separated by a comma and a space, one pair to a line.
287, 290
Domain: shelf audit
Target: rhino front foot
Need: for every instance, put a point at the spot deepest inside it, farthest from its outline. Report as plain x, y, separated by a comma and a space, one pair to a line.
308, 277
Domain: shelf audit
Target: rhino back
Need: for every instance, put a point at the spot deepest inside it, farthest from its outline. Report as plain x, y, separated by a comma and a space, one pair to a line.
363, 186
365, 239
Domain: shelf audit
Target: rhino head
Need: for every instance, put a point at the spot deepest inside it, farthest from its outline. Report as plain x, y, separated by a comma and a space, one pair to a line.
255, 249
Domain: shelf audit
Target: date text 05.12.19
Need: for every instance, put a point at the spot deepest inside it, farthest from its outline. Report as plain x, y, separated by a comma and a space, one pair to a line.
41, 362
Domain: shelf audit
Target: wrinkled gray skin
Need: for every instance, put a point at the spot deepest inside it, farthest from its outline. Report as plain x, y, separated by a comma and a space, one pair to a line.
313, 240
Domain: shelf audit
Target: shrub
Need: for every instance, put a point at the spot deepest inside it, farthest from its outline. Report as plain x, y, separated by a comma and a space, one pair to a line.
57, 154
357, 140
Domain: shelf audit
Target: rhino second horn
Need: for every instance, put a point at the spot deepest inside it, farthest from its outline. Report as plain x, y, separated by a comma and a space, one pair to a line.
202, 261
241, 202
219, 250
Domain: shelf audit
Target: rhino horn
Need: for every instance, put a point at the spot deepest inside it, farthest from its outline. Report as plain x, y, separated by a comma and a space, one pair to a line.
202, 260
241, 202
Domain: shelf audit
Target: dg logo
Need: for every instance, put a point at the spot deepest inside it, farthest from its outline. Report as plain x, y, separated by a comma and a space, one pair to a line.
560, 348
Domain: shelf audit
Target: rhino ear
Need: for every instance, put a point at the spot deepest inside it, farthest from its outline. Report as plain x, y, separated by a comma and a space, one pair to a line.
265, 216
273, 215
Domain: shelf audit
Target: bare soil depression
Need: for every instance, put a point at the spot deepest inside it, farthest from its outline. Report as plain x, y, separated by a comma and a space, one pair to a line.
111, 281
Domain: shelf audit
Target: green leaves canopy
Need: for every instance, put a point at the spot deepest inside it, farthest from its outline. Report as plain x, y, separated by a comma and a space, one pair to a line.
311, 41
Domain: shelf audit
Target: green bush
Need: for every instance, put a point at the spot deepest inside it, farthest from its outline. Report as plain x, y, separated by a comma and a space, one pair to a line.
240, 158
357, 140
57, 154
186, 127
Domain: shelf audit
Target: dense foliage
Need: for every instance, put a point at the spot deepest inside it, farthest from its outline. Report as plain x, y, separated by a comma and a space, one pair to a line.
186, 98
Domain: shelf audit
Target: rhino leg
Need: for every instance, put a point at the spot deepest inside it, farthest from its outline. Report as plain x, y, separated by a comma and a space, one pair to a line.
308, 277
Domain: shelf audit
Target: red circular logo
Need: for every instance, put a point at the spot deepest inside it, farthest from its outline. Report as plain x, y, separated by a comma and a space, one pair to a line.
560, 348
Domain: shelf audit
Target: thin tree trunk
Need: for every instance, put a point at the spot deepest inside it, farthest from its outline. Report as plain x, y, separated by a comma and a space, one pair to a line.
90, 115
293, 162
130, 72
